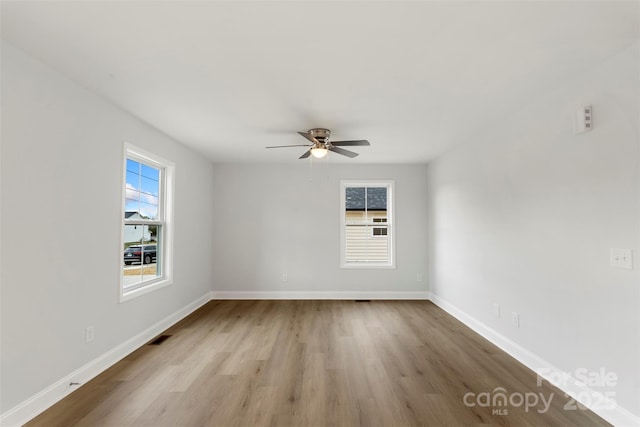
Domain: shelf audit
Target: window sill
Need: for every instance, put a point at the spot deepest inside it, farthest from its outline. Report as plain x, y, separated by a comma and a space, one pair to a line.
150, 286
368, 266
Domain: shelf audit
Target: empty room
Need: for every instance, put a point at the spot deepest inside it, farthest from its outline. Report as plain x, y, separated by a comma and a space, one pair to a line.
319, 213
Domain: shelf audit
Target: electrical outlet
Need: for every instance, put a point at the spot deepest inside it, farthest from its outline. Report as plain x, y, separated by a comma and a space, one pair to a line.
621, 258
90, 334
285, 277
496, 309
515, 319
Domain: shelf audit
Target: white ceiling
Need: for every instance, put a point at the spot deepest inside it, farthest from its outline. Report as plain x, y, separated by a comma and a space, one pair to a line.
229, 78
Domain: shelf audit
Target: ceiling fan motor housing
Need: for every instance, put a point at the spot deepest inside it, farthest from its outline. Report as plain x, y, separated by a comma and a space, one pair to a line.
320, 134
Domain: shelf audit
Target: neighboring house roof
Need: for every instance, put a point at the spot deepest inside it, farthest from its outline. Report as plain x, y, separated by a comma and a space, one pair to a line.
376, 198
132, 215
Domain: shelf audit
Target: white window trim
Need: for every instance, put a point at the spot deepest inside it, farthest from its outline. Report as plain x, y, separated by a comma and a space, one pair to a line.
391, 223
166, 207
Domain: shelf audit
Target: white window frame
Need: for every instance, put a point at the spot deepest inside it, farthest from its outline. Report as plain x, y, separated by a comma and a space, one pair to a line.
390, 185
166, 189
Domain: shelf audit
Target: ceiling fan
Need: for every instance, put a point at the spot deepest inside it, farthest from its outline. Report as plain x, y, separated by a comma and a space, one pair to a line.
320, 145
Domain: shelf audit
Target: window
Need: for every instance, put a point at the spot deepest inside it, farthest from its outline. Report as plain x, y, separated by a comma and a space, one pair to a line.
367, 236
378, 231
146, 228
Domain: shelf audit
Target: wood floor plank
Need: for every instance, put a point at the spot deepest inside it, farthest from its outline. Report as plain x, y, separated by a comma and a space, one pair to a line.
312, 363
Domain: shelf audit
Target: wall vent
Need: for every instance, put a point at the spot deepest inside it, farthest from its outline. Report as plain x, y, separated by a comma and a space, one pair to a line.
159, 340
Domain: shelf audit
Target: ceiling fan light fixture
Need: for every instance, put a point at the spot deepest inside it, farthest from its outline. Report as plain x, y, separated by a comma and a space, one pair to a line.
319, 152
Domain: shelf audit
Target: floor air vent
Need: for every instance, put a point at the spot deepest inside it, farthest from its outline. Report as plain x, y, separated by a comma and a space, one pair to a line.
362, 300
159, 340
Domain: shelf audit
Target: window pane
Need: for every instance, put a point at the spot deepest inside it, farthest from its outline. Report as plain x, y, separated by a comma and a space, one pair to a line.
133, 166
354, 198
148, 211
132, 194
133, 180
142, 192
377, 198
132, 208
149, 186
133, 234
150, 172
141, 254
366, 245
149, 199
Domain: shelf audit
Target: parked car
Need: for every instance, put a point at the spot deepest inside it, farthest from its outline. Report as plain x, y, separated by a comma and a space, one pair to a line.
136, 253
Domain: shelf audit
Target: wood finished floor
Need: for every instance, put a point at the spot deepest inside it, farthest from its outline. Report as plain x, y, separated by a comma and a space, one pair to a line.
311, 363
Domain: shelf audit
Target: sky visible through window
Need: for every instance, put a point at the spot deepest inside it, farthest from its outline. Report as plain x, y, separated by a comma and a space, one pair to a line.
142, 189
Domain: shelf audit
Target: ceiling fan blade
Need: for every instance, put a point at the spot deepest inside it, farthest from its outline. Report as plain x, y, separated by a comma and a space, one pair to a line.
309, 137
283, 146
344, 152
305, 155
359, 142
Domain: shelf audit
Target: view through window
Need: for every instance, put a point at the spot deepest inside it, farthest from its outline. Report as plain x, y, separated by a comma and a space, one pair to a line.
144, 219
367, 224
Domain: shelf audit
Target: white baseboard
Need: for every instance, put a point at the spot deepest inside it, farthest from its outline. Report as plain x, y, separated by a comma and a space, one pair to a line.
617, 416
46, 398
33, 406
326, 295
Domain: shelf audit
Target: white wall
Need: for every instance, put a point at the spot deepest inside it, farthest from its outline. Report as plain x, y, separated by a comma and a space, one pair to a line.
525, 214
272, 220
61, 179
